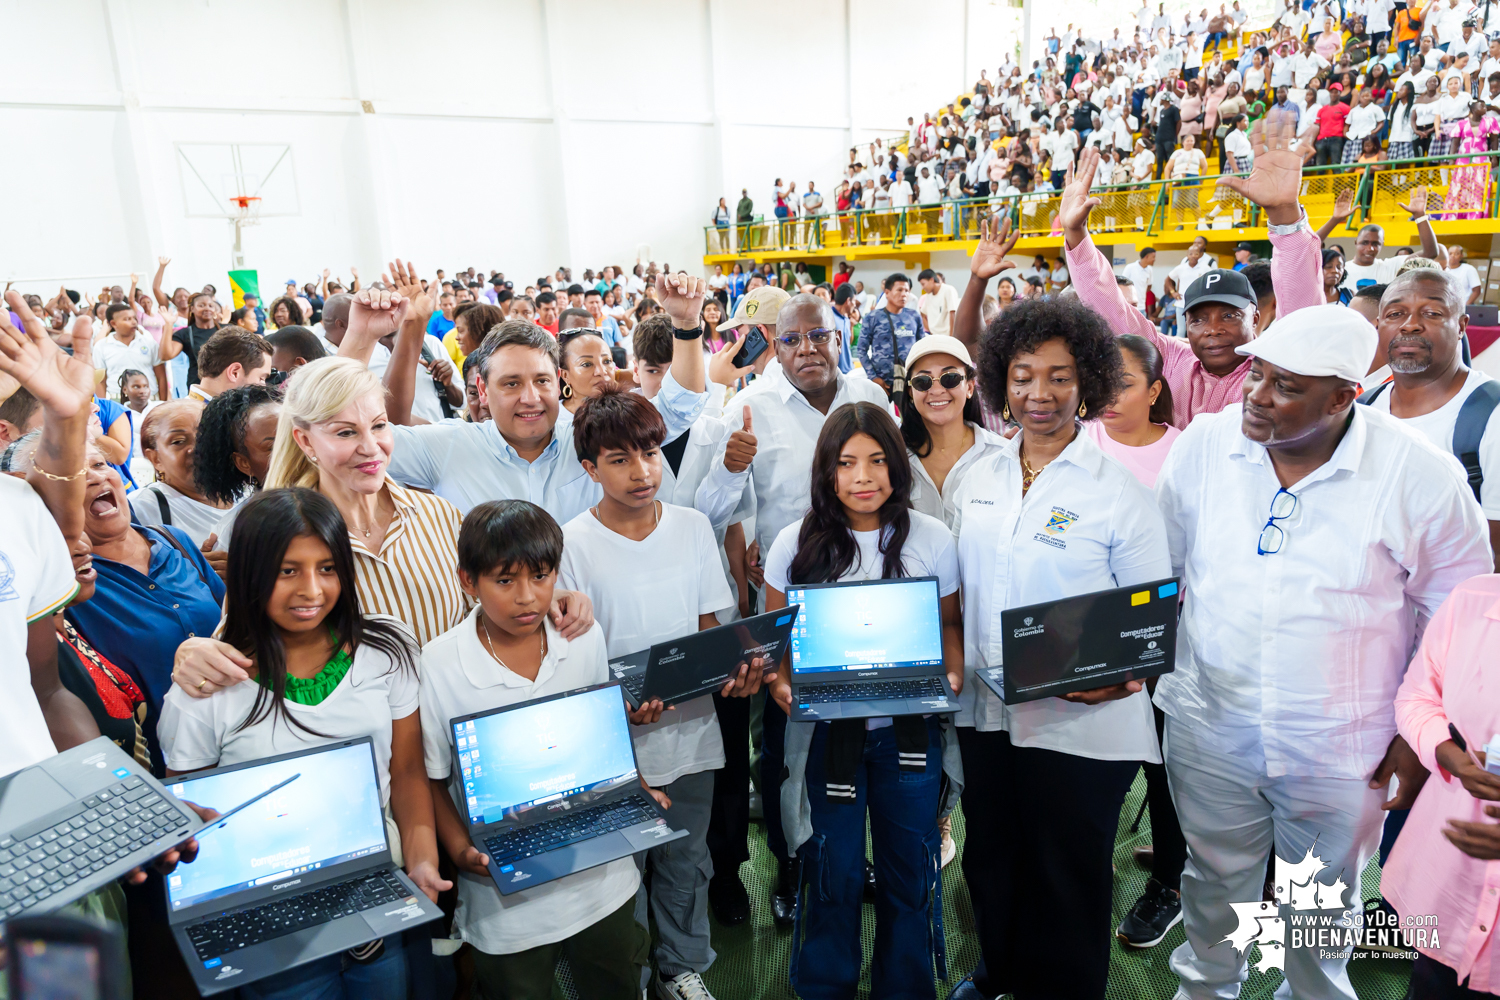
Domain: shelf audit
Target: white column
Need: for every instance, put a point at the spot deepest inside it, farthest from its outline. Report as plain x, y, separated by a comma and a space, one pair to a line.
1026, 35
367, 184
553, 20
722, 58
144, 228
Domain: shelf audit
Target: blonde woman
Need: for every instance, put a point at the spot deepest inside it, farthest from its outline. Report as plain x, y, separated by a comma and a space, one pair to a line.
334, 437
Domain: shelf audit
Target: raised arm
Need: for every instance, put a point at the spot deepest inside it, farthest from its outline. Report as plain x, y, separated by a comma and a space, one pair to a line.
995, 242
1416, 207
161, 270
374, 314
1343, 207
681, 296
401, 371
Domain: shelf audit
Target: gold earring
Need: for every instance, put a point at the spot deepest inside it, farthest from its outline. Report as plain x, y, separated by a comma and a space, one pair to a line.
567, 390
1005, 412
1083, 410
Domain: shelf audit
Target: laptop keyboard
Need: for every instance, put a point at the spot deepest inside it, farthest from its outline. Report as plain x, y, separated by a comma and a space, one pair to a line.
635, 684
581, 824
253, 925
915, 687
104, 828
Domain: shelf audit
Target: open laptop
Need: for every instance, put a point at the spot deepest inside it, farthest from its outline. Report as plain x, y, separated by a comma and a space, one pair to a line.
551, 787
1085, 642
79, 820
302, 872
868, 648
703, 661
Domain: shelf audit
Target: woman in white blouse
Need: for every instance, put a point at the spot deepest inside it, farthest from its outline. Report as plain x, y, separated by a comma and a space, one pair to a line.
1045, 516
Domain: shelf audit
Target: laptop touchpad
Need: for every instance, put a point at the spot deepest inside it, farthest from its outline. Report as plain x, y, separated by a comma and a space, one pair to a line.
29, 795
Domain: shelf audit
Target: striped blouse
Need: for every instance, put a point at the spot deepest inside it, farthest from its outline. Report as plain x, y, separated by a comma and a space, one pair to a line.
414, 577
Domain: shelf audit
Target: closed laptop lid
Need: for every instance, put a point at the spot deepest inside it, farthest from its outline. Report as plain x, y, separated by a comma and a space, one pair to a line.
712, 655
539, 753
866, 625
325, 812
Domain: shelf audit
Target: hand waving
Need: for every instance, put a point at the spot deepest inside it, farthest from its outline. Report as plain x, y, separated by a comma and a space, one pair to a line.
1276, 179
681, 295
1343, 205
403, 277
63, 384
1416, 206
1076, 204
995, 241
376, 313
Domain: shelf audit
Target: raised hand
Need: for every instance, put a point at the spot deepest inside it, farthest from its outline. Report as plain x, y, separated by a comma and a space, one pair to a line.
376, 313
995, 241
162, 262
681, 295
740, 451
1276, 178
63, 384
1343, 205
403, 277
1416, 205
1076, 203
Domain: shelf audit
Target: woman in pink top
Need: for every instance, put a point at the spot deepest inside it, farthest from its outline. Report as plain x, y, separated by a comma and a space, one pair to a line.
1137, 428
1446, 862
1191, 108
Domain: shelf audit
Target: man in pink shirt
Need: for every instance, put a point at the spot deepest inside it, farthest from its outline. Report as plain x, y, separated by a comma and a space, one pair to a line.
1204, 371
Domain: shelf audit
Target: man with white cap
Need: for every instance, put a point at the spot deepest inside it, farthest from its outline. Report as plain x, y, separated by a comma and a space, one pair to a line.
1312, 536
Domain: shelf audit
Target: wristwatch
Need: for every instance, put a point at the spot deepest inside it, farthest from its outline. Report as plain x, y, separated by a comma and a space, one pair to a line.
1295, 227
692, 334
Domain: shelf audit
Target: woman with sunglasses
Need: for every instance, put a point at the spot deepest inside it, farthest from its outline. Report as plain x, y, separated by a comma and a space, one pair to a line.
941, 423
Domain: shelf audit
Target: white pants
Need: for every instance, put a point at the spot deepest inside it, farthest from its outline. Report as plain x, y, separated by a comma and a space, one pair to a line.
1231, 813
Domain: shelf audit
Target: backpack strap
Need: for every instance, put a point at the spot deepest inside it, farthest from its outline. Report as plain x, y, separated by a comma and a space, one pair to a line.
1370, 395
1468, 430
161, 505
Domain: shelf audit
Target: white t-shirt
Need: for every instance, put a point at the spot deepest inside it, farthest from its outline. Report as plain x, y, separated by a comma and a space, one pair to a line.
937, 308
1363, 120
205, 732
459, 677
1381, 272
1438, 426
1185, 274
36, 581
647, 592
928, 551
192, 516
117, 357
1465, 279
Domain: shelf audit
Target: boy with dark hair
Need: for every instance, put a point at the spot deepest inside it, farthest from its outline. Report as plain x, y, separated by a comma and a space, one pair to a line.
509, 651
294, 346
652, 571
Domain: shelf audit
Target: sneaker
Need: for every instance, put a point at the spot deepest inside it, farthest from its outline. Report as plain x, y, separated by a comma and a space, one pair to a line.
688, 986
950, 849
1148, 921
728, 899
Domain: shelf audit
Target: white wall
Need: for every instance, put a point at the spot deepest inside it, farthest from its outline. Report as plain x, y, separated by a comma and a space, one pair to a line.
510, 134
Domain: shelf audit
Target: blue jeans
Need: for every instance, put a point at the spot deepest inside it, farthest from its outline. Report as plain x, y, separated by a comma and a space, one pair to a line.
338, 977
903, 807
1403, 49
1214, 38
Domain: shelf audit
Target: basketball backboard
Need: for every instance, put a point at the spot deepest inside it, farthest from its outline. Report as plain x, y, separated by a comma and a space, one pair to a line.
215, 173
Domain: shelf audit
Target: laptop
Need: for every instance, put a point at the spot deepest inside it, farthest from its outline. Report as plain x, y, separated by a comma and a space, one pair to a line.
703, 661
868, 648
301, 868
551, 787
77, 821
1085, 642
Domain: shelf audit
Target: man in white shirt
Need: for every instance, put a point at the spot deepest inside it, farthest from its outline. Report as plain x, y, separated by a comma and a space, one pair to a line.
1444, 21
125, 347
1305, 65
1194, 266
231, 358
1347, 529
1463, 276
1161, 20
1491, 61
1139, 274
929, 189
1143, 17
938, 304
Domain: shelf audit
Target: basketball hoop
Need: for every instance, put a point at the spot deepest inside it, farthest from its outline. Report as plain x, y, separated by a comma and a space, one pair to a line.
246, 209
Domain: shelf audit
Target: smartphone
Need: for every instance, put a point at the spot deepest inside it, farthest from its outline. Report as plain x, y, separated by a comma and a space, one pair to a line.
755, 345
63, 958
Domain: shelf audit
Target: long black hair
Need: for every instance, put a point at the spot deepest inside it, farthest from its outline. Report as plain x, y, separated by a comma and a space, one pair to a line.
221, 434
914, 429
1151, 360
826, 549
126, 376
265, 527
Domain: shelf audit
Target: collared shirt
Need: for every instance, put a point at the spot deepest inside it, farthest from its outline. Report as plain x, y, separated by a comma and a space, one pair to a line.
1298, 654
786, 430
137, 621
197, 392
458, 677
1296, 275
413, 577
1451, 681
467, 464
927, 498
1085, 525
877, 354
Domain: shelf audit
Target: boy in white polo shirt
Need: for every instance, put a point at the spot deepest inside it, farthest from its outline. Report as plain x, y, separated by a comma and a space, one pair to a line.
652, 571
508, 651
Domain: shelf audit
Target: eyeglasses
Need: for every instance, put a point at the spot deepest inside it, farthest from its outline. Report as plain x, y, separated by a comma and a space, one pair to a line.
1283, 506
948, 380
817, 337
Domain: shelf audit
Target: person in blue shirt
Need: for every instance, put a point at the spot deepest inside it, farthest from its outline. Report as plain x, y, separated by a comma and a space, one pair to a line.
442, 318
888, 333
252, 302
845, 304
607, 326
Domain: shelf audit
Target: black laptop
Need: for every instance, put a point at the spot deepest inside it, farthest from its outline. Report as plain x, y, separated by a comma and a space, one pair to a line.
1085, 642
551, 787
303, 871
79, 820
703, 661
868, 648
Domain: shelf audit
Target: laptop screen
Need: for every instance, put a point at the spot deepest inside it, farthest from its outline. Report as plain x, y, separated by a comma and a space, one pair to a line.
866, 626
328, 813
524, 757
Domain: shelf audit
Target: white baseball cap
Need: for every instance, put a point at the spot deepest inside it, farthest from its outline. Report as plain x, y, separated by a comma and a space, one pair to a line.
938, 344
1319, 340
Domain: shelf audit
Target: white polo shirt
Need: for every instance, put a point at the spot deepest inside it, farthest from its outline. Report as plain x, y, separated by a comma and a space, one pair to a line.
460, 677
117, 357
1087, 524
927, 498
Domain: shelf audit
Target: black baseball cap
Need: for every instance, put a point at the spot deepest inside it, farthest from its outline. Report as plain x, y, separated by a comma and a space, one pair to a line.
1244, 246
1229, 287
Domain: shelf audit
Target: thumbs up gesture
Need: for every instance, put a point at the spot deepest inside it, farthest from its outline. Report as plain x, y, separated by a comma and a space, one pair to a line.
740, 451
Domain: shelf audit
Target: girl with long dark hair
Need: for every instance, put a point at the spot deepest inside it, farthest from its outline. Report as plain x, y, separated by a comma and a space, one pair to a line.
859, 526
1137, 427
322, 672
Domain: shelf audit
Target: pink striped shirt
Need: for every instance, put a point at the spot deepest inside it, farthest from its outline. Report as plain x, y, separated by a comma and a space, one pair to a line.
1296, 275
1451, 679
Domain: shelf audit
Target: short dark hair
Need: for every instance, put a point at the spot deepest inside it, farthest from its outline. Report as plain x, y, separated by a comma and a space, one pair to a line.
844, 293
575, 289
545, 297
652, 340
1258, 274
300, 341
116, 309
594, 292
231, 345
574, 312
1372, 292
617, 419
518, 333
1030, 323
474, 359
928, 274
1147, 250
19, 407
504, 295
890, 282
1123, 281
506, 534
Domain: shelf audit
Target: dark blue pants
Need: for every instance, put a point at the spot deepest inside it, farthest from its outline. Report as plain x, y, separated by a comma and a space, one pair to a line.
772, 764
902, 808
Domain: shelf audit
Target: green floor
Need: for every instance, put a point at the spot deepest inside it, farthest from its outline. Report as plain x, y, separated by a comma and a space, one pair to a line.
752, 958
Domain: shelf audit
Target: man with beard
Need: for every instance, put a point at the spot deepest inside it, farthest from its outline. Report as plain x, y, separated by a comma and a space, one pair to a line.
1431, 389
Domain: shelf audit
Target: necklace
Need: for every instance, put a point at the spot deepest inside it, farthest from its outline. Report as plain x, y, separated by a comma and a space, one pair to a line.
1028, 474
541, 634
655, 514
